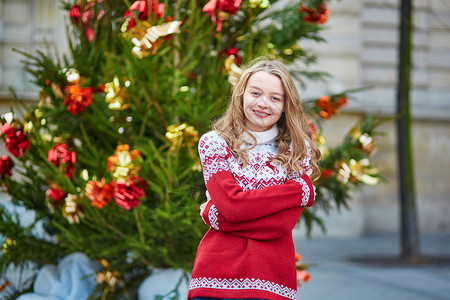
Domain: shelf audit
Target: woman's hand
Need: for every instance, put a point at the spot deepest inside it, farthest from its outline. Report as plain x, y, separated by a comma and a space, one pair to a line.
203, 206
309, 173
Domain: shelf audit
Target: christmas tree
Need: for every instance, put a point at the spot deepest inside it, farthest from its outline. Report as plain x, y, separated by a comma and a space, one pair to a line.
107, 159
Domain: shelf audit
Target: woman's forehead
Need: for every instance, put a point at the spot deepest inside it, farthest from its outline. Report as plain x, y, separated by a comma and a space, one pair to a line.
263, 79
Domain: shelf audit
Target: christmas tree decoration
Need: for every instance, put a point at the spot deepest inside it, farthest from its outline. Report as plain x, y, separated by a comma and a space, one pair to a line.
366, 142
116, 95
57, 91
354, 171
78, 98
6, 165
54, 197
259, 3
124, 162
72, 75
224, 8
146, 38
8, 244
107, 159
312, 127
330, 105
326, 173
303, 275
181, 135
100, 193
61, 157
314, 15
72, 210
232, 63
86, 19
107, 277
128, 193
16, 141
140, 8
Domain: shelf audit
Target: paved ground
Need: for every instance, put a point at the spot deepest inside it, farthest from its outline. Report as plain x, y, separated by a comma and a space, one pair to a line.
336, 275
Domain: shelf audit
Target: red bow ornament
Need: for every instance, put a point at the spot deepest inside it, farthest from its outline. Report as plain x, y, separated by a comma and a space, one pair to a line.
16, 142
78, 98
312, 15
224, 9
87, 17
59, 155
141, 7
6, 166
128, 193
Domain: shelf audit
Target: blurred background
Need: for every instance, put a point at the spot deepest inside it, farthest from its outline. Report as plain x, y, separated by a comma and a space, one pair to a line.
360, 51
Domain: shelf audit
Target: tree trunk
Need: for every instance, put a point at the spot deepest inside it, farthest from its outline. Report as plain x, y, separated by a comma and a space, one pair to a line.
410, 249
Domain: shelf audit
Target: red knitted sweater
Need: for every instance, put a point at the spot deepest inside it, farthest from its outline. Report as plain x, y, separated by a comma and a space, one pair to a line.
248, 252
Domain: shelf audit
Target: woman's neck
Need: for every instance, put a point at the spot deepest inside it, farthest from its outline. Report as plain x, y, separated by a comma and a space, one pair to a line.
262, 137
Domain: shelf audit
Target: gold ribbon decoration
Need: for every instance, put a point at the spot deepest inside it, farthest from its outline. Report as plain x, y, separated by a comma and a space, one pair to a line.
122, 163
7, 244
111, 278
116, 95
72, 211
233, 70
147, 38
366, 142
353, 171
180, 135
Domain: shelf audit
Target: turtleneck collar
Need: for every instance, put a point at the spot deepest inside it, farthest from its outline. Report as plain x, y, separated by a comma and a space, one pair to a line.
262, 137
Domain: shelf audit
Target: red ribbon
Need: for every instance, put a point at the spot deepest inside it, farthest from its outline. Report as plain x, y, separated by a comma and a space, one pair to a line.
141, 6
228, 6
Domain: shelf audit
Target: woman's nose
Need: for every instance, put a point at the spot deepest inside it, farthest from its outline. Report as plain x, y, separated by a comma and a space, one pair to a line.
262, 101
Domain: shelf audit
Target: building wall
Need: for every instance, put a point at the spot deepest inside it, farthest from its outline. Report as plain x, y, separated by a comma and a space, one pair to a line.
26, 25
361, 51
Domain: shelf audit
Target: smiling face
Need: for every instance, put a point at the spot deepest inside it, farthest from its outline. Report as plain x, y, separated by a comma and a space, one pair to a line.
264, 98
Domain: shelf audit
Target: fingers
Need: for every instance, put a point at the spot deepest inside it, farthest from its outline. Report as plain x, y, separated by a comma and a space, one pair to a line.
309, 172
202, 208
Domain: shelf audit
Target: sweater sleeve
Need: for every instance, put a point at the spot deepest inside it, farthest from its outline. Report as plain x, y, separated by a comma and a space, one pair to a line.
229, 198
293, 175
266, 228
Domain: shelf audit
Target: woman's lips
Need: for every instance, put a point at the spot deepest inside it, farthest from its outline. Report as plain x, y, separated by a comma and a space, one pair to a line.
261, 114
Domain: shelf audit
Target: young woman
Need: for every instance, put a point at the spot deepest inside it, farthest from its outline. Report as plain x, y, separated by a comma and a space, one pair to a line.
257, 165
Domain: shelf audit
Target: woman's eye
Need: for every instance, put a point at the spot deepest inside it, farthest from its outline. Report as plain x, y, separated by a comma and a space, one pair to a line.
276, 99
255, 93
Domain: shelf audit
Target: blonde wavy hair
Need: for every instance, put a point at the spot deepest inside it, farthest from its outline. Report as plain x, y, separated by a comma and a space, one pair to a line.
292, 126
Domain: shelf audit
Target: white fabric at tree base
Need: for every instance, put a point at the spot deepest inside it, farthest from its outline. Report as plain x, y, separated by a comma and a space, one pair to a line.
163, 282
72, 279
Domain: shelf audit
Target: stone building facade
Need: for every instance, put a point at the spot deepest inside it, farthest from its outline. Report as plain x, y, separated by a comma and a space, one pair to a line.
361, 51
